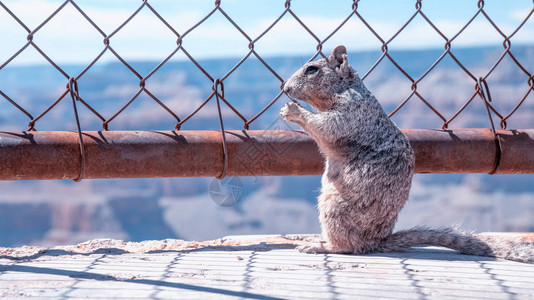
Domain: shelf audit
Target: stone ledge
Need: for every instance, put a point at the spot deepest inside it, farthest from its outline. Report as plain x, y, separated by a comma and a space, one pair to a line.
234, 242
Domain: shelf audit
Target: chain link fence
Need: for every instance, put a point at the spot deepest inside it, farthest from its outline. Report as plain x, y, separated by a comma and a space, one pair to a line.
498, 110
494, 92
478, 80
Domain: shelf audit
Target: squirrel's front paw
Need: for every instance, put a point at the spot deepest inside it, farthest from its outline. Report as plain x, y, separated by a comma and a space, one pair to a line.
291, 112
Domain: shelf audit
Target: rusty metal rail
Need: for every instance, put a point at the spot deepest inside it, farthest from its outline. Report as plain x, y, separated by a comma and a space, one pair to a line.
136, 154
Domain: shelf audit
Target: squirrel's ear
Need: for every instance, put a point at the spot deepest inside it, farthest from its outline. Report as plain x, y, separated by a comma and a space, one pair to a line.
338, 55
338, 61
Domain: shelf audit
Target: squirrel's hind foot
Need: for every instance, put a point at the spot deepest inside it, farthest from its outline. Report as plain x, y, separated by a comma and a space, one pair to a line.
313, 248
321, 248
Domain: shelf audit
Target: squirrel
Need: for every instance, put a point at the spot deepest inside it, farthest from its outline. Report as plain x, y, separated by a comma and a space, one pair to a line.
369, 164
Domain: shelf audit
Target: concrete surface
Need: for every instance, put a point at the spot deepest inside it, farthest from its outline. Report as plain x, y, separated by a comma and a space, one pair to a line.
256, 267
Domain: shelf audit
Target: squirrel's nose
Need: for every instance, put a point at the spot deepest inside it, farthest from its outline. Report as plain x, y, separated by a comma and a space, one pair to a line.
285, 87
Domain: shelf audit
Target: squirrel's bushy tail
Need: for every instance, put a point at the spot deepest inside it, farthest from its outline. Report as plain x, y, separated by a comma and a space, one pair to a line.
507, 248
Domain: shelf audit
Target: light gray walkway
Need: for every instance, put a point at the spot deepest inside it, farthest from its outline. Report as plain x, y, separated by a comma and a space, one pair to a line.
262, 273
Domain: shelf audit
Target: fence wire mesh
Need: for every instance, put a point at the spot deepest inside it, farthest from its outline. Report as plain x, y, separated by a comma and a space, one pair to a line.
475, 77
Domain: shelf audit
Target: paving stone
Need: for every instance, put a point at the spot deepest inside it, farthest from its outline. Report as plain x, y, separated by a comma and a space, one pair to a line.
258, 271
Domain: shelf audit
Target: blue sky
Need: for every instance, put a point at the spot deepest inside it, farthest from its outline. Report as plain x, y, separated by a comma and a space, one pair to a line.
68, 38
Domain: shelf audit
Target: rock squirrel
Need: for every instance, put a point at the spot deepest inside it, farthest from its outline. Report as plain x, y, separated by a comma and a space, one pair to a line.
368, 169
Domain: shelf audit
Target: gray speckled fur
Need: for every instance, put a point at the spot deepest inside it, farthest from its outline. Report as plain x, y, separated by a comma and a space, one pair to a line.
369, 165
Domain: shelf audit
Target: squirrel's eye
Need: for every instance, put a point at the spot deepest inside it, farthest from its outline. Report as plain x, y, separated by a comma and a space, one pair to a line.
311, 70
